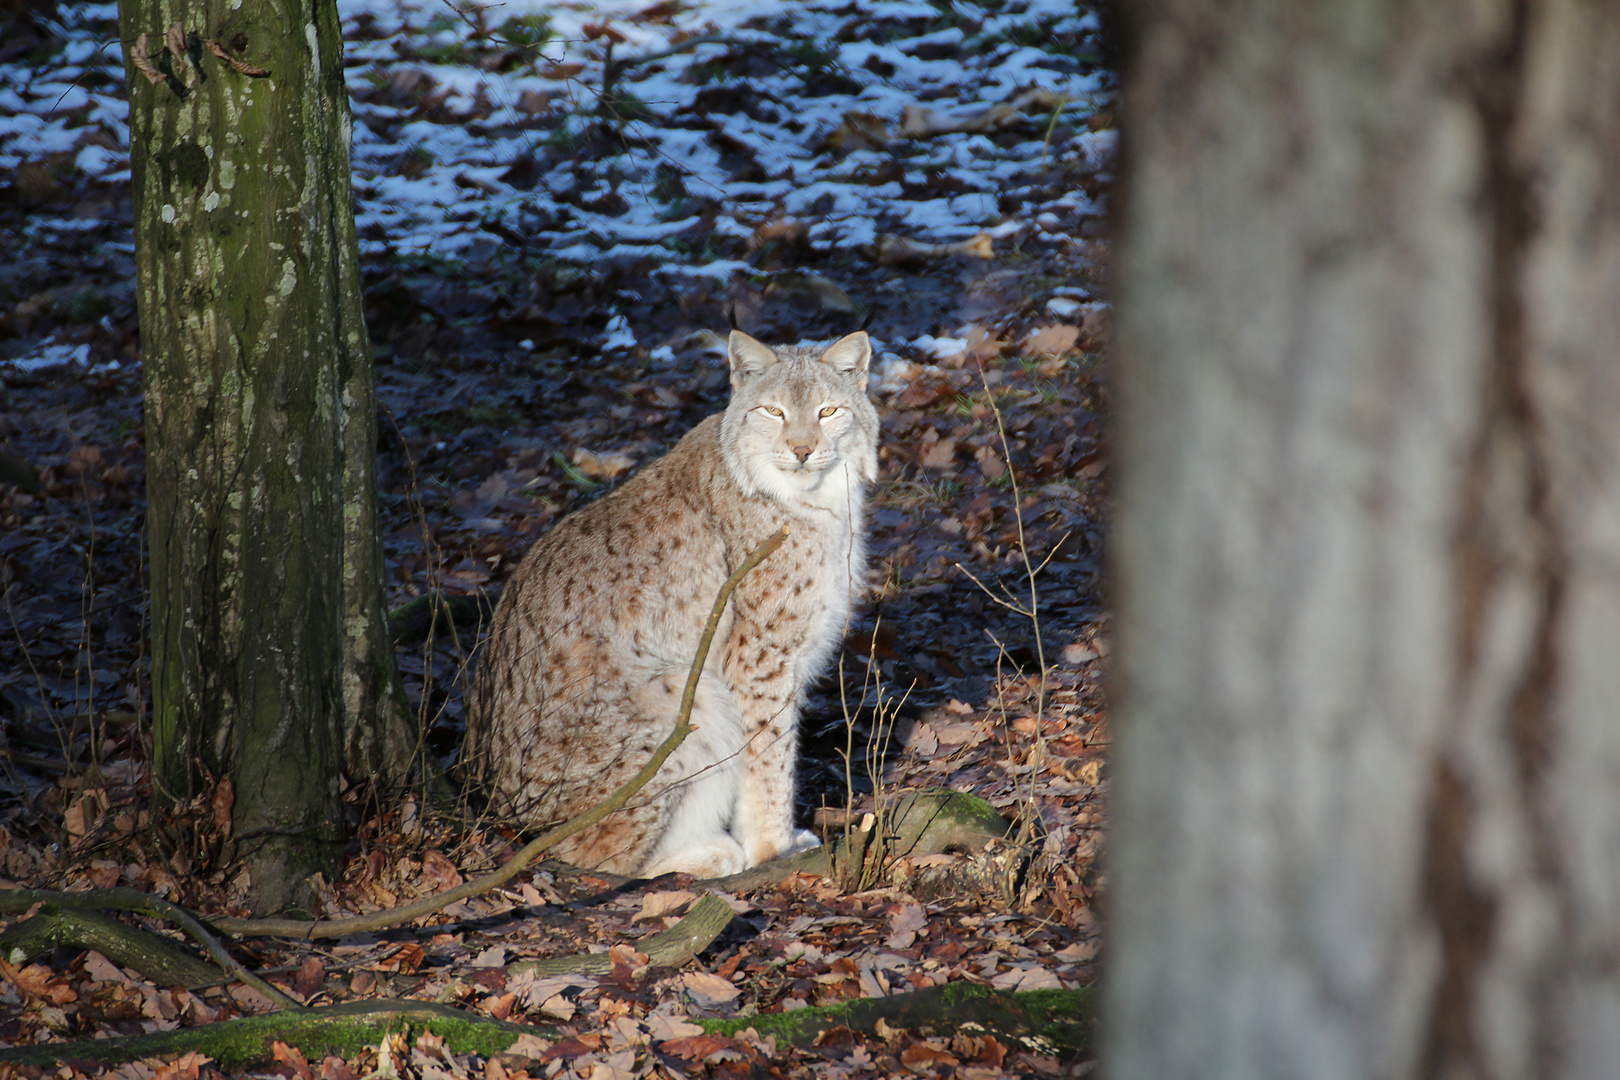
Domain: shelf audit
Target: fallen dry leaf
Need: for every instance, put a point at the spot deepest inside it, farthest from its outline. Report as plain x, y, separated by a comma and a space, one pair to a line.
1029, 977
656, 905
187, 1066
310, 976
921, 739
39, 981
924, 1056
661, 1028
991, 463
602, 466
293, 1058
529, 1046
440, 871
709, 990
904, 923
1052, 340
709, 1048
939, 453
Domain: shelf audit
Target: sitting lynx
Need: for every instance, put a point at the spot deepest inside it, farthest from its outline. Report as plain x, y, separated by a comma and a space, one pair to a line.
593, 640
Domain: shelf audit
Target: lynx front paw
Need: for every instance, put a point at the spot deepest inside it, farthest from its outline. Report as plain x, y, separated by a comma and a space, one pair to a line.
798, 840
721, 857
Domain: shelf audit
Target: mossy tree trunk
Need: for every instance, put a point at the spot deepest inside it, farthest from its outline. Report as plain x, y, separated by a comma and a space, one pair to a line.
1366, 820
270, 652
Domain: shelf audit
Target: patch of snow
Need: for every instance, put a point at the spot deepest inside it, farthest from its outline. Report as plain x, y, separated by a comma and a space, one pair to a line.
50, 356
703, 116
1100, 148
618, 335
98, 160
940, 348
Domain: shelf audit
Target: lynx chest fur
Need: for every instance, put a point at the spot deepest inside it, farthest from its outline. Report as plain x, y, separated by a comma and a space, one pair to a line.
592, 642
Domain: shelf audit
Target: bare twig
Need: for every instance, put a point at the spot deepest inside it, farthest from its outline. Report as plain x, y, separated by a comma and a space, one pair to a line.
1032, 612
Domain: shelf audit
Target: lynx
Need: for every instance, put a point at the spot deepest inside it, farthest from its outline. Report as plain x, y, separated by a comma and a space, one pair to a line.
595, 635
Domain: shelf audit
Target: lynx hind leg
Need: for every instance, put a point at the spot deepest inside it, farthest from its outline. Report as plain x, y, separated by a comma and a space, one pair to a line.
702, 776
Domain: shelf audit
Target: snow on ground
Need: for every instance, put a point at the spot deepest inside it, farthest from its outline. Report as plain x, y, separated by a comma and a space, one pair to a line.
722, 119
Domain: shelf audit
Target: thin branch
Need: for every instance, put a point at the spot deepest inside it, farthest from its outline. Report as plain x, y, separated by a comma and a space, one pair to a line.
1010, 604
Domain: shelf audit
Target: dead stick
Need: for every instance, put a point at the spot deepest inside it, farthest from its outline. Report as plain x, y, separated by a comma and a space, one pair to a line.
331, 928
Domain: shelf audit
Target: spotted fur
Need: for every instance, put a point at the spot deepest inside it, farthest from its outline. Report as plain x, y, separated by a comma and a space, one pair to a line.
591, 644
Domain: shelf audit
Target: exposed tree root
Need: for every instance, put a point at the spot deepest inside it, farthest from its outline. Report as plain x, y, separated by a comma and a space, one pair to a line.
19, 901
157, 958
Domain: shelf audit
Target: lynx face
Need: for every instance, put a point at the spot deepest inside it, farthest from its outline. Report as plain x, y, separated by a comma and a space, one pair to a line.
799, 427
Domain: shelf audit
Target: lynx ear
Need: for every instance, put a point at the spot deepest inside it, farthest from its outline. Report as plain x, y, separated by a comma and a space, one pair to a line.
748, 358
851, 355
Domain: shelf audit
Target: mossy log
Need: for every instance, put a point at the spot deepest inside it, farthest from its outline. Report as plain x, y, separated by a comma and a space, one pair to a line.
339, 1030
155, 957
1052, 1022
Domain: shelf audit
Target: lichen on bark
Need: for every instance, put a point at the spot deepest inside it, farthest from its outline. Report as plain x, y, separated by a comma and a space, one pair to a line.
270, 651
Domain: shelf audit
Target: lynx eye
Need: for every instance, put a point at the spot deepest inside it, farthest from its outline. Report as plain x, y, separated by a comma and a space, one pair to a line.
773, 410
828, 411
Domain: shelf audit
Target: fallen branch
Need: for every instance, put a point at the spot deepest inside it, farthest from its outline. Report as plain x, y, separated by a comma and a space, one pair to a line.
669, 948
682, 940
158, 958
380, 920
343, 1029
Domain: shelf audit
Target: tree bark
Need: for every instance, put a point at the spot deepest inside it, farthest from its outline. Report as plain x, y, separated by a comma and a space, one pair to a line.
1366, 820
269, 646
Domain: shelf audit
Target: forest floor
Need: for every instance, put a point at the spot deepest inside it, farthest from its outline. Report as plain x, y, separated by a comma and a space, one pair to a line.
561, 210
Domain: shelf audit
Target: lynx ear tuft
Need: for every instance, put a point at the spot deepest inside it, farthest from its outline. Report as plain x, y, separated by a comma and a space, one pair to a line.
748, 358
850, 355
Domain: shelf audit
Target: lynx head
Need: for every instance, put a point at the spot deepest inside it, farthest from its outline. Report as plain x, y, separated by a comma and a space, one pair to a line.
799, 427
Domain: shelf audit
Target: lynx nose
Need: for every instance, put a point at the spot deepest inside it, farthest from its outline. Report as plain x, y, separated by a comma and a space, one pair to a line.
802, 453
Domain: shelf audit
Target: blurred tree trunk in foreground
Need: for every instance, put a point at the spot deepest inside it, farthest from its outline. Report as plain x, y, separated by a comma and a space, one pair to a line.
269, 647
1367, 821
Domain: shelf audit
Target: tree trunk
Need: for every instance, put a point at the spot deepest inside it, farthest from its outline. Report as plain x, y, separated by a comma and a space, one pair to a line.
269, 645
1367, 820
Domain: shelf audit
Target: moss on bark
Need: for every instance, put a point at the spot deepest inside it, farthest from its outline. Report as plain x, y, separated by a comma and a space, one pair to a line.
271, 659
